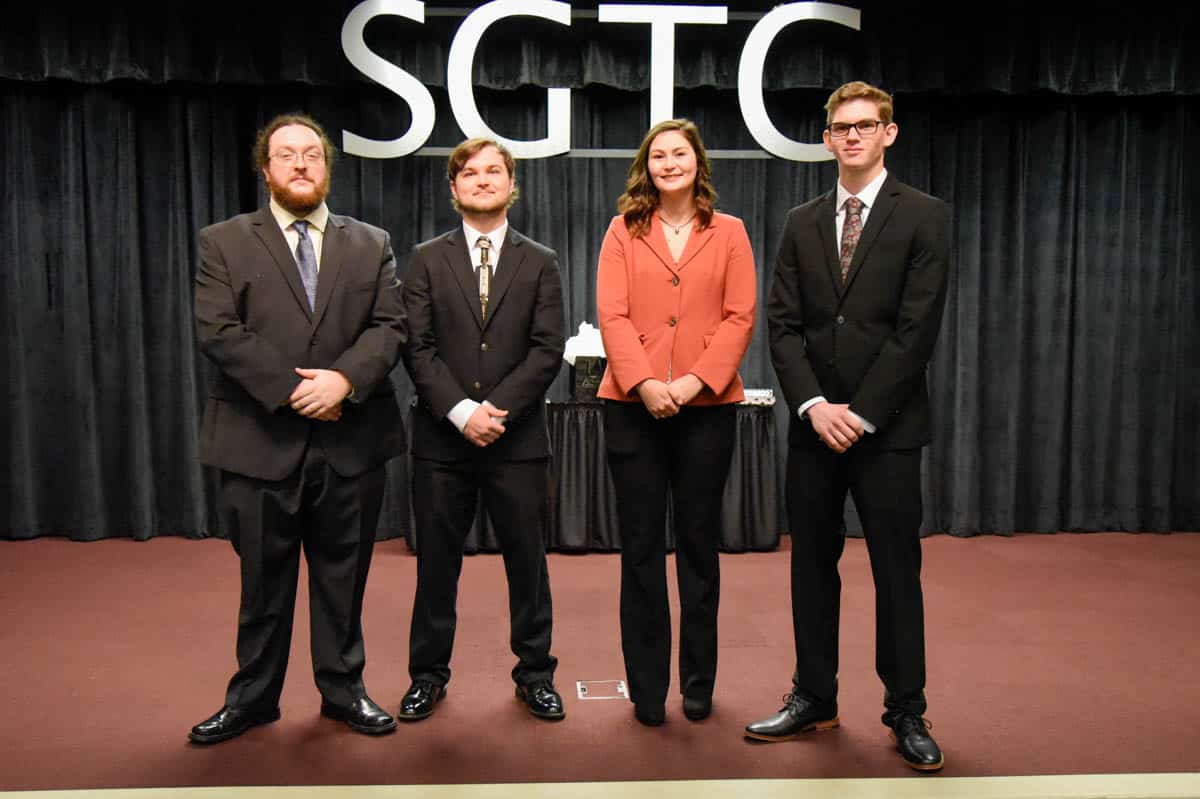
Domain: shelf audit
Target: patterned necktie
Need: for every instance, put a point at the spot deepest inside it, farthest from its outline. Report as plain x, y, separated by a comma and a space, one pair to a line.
306, 259
851, 231
485, 273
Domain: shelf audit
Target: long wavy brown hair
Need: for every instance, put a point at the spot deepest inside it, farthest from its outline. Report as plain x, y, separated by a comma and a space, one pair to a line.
640, 200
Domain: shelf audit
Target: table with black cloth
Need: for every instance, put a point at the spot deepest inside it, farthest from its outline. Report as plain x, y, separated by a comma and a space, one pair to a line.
581, 508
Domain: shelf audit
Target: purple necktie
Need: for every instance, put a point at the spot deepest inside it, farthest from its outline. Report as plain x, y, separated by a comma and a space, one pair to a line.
306, 260
851, 231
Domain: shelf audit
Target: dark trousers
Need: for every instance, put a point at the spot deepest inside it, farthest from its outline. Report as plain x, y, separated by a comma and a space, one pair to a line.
688, 456
333, 519
886, 486
444, 497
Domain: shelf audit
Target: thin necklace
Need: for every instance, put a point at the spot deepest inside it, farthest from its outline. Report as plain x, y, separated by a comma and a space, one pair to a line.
674, 227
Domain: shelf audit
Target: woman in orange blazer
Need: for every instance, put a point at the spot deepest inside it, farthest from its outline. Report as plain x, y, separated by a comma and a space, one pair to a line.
676, 294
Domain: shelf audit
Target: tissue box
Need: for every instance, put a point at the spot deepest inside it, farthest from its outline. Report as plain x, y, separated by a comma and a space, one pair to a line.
585, 376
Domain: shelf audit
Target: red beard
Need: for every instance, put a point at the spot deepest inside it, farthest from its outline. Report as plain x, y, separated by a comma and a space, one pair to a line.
299, 203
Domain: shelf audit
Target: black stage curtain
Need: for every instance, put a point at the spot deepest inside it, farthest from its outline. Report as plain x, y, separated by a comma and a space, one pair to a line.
1015, 46
1066, 380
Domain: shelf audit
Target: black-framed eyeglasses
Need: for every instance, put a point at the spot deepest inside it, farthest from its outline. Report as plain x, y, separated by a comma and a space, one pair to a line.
865, 127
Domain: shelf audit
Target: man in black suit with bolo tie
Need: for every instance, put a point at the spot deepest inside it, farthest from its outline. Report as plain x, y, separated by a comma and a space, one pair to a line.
487, 331
299, 310
854, 311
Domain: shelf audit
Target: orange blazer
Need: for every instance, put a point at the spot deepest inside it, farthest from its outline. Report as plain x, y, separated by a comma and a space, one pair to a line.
662, 319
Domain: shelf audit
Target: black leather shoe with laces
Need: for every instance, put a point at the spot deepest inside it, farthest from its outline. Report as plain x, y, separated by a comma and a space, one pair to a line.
361, 715
542, 700
798, 714
230, 722
420, 700
915, 744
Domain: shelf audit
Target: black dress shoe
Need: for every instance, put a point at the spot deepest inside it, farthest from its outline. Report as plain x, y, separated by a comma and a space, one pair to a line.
915, 744
362, 715
418, 703
230, 722
650, 715
798, 714
542, 700
697, 708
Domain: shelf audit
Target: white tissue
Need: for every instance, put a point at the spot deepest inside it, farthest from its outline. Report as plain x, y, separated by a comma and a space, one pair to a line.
586, 342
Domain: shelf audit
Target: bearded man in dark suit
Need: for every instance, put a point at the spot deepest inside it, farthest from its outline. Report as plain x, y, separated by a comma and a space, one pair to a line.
299, 309
855, 308
485, 313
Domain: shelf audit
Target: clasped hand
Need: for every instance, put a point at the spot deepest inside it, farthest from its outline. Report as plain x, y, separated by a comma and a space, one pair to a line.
319, 395
664, 400
485, 425
835, 425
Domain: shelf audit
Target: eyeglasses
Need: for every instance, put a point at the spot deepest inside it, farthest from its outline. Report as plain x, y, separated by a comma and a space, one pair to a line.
289, 157
865, 127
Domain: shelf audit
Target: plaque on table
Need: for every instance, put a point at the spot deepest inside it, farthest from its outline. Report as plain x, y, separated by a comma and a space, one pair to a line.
585, 376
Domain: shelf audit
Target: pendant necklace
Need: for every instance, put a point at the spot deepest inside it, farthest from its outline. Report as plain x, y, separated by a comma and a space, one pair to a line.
676, 228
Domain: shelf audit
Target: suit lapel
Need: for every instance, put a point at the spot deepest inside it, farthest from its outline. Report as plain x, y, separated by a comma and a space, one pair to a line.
695, 243
827, 230
458, 261
268, 232
656, 242
885, 203
333, 247
512, 256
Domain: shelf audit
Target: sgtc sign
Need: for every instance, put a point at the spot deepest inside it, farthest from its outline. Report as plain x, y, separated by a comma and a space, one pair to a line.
662, 20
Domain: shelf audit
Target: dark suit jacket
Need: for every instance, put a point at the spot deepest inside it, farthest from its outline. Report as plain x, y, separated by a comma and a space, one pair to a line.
510, 359
254, 322
868, 342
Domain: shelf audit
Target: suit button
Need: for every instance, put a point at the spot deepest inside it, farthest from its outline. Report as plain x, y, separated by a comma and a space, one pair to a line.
675, 280
671, 321
475, 385
829, 363
841, 320
483, 346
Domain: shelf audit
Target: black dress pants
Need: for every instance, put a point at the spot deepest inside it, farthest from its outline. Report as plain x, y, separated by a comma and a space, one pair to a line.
333, 518
444, 497
886, 486
686, 457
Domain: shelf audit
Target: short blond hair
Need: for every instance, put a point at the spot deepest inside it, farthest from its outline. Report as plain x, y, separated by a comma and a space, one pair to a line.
857, 90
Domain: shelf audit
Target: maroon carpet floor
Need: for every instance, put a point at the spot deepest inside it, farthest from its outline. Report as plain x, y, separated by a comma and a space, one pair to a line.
1064, 654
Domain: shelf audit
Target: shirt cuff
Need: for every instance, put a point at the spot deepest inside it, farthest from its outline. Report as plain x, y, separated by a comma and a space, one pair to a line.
870, 428
461, 412
803, 409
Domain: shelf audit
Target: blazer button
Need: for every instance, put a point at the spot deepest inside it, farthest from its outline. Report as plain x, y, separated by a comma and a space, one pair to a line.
475, 385
841, 320
483, 346
671, 321
675, 280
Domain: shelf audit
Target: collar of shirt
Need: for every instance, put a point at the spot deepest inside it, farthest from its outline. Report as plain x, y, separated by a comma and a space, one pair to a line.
317, 220
867, 195
496, 237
